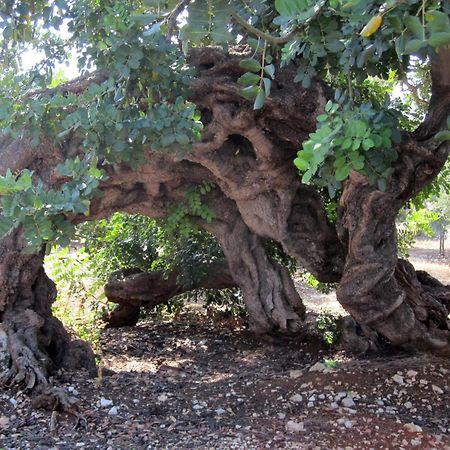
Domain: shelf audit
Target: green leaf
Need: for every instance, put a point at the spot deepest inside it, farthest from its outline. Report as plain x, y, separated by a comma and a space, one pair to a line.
307, 176
381, 183
437, 21
270, 70
367, 144
439, 39
6, 223
249, 93
301, 163
260, 99
342, 173
414, 25
252, 65
413, 46
267, 85
248, 79
443, 135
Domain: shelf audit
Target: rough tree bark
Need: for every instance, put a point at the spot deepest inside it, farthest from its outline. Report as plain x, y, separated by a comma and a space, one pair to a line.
377, 289
133, 289
248, 155
35, 340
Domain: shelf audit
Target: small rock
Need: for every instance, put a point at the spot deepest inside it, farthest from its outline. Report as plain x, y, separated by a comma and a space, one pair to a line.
4, 421
348, 424
13, 401
220, 411
408, 405
294, 374
398, 379
113, 411
281, 416
295, 427
197, 407
348, 402
297, 398
437, 389
411, 374
162, 398
318, 367
412, 427
104, 402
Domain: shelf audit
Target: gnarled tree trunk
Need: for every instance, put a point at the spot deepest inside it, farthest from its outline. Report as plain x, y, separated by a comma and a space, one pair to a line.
248, 155
36, 342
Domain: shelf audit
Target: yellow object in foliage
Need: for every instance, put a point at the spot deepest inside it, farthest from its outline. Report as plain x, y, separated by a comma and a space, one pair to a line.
372, 26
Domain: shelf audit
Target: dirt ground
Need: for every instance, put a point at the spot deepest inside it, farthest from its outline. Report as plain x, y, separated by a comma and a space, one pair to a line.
198, 384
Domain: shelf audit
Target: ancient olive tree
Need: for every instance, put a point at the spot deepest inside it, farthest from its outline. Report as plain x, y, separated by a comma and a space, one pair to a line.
246, 117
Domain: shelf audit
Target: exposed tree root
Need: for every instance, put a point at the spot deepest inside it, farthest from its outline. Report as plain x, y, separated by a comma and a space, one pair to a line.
133, 289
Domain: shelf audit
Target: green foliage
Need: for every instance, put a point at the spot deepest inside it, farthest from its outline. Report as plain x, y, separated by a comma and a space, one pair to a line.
81, 303
138, 103
349, 138
312, 281
412, 222
327, 325
180, 214
42, 212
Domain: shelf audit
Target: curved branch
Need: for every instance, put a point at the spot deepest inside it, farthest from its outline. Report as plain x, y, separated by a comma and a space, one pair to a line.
277, 40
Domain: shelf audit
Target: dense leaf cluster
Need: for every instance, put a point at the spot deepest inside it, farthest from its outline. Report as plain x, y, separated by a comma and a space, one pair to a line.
136, 51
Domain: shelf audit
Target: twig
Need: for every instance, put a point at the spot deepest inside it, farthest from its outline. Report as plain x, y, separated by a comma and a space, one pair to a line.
276, 40
172, 18
414, 92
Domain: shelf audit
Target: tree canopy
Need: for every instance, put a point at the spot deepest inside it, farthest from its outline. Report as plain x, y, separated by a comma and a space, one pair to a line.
255, 120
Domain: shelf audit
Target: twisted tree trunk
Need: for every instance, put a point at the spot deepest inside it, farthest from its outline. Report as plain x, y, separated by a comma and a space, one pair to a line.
36, 342
248, 155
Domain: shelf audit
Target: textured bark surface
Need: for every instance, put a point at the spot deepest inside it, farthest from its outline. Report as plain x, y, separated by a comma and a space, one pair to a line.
248, 155
35, 340
378, 290
133, 289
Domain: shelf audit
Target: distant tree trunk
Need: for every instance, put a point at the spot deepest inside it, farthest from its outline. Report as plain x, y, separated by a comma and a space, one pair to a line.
441, 238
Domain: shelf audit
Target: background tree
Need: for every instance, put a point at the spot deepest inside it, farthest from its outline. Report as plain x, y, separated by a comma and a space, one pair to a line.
163, 123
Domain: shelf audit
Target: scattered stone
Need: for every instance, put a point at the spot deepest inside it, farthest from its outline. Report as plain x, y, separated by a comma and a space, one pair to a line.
411, 374
295, 427
297, 398
412, 427
113, 411
318, 367
162, 398
281, 416
398, 379
408, 405
13, 401
104, 402
348, 424
437, 389
348, 402
220, 411
294, 374
4, 421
